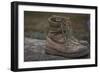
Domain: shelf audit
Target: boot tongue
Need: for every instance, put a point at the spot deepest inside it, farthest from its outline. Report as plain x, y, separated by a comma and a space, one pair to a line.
56, 19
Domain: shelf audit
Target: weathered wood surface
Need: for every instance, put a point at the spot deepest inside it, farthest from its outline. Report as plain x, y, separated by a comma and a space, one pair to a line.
34, 50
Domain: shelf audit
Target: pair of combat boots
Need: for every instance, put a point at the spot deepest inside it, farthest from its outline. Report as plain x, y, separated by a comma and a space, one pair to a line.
60, 40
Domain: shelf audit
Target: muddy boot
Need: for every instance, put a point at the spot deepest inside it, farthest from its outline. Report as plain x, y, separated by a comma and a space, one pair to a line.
60, 40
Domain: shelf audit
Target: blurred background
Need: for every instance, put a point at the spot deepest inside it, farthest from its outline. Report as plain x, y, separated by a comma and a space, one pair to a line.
36, 24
